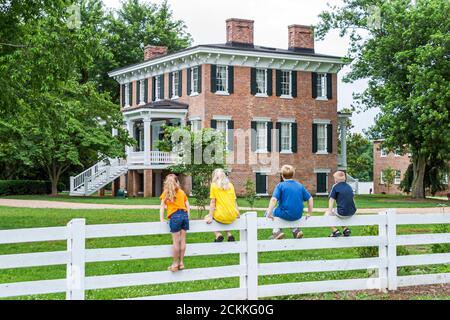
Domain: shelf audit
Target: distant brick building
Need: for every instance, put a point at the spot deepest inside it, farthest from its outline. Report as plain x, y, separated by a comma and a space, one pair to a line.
383, 160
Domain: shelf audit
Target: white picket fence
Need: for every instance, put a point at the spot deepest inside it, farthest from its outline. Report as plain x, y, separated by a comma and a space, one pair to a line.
248, 248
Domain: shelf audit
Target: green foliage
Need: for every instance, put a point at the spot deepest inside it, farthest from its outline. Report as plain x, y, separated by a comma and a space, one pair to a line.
250, 193
368, 252
441, 247
435, 172
388, 177
405, 58
360, 157
25, 187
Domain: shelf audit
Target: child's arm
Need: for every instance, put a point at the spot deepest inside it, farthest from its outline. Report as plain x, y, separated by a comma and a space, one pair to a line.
212, 209
161, 211
310, 207
272, 205
188, 207
237, 208
330, 205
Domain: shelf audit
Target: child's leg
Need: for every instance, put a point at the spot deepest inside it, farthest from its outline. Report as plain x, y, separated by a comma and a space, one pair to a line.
217, 234
176, 237
182, 246
331, 214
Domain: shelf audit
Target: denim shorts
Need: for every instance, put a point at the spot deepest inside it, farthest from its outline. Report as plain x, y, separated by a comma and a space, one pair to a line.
179, 221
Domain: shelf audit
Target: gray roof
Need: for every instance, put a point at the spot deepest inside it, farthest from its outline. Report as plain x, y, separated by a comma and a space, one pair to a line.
162, 104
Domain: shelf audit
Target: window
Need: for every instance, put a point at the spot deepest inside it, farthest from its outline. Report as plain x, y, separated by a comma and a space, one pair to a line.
222, 79
398, 177
175, 84
222, 126
384, 152
322, 142
127, 95
286, 137
322, 183
142, 92
398, 153
322, 85
261, 81
381, 177
158, 88
196, 125
445, 179
261, 183
286, 83
261, 137
194, 80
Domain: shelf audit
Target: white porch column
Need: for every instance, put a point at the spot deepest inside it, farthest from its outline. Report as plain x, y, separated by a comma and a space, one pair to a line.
147, 141
344, 144
129, 149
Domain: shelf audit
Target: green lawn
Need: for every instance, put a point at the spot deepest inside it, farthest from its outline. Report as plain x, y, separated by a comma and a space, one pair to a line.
362, 201
13, 218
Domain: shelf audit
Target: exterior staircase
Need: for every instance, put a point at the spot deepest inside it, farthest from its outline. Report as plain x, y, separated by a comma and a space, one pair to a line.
97, 177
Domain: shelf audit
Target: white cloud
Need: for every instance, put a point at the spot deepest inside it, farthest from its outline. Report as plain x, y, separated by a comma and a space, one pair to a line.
206, 23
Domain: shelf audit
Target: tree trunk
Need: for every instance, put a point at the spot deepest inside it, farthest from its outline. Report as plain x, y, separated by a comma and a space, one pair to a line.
419, 166
54, 187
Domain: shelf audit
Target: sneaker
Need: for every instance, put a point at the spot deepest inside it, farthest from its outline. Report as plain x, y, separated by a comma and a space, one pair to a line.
335, 234
297, 233
347, 232
219, 239
277, 235
231, 239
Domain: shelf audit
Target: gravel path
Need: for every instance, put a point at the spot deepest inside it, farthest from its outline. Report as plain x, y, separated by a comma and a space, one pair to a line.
94, 206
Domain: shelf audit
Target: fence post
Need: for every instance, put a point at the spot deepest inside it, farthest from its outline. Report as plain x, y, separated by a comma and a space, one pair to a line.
72, 184
392, 249
383, 252
76, 265
252, 256
243, 256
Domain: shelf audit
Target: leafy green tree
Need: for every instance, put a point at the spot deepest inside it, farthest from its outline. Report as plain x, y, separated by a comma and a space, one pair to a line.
250, 193
388, 177
402, 47
360, 157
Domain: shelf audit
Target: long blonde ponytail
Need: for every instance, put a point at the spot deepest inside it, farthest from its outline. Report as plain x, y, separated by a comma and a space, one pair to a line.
171, 186
221, 179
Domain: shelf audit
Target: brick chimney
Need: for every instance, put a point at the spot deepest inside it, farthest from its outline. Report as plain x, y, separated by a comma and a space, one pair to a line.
240, 32
301, 38
152, 52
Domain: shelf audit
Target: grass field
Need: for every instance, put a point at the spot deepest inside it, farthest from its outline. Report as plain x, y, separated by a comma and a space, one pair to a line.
362, 201
13, 218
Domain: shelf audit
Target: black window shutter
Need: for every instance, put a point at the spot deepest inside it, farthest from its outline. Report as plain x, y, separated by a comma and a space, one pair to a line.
269, 82
329, 86
230, 79
130, 95
214, 124
138, 92
161, 93
294, 138
253, 142
188, 81
278, 83
322, 183
213, 78
146, 90
269, 136
294, 83
330, 138
261, 183
180, 83
230, 135
199, 79
123, 95
170, 85
153, 88
314, 138
189, 124
314, 85
278, 127
253, 81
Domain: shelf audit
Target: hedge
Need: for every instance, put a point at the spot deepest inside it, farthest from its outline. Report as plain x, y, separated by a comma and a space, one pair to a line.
25, 187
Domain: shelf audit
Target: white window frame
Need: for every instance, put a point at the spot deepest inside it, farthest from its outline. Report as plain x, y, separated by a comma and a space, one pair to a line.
383, 153
445, 179
225, 91
397, 181
194, 81
264, 91
289, 128
196, 125
157, 88
322, 86
265, 148
127, 95
397, 154
141, 92
175, 84
382, 177
283, 73
223, 121
266, 174
324, 150
327, 172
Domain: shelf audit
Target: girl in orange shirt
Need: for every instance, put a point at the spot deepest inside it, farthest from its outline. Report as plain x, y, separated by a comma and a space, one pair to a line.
178, 211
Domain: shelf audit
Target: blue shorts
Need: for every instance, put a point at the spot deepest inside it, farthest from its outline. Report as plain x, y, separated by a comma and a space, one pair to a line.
278, 213
179, 221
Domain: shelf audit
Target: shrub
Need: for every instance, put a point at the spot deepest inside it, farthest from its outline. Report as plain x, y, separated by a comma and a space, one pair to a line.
250, 193
25, 187
441, 247
370, 252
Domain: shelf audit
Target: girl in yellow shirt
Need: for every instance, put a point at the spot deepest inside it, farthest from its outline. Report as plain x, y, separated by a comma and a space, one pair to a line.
223, 208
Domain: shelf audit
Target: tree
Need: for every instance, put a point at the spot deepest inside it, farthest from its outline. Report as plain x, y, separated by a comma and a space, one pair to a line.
250, 193
402, 48
360, 157
388, 178
201, 152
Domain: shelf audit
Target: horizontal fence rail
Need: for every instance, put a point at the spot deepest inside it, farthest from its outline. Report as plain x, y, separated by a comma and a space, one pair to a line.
248, 247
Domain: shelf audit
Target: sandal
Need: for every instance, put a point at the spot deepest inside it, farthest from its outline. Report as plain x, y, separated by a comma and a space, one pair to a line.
181, 266
335, 234
347, 232
173, 268
219, 239
231, 239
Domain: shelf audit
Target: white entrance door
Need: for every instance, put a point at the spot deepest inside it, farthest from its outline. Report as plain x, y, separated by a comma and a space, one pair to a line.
156, 129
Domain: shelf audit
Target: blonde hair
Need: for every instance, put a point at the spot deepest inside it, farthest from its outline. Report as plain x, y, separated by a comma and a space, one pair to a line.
287, 172
220, 179
340, 176
171, 186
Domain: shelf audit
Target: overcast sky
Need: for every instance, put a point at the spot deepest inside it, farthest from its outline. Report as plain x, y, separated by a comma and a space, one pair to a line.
205, 20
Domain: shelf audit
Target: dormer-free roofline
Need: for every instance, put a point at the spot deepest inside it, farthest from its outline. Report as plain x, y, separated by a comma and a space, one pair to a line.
226, 54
